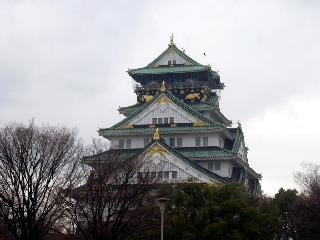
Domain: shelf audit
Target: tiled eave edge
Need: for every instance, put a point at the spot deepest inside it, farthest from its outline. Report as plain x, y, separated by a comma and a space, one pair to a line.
111, 132
177, 101
247, 167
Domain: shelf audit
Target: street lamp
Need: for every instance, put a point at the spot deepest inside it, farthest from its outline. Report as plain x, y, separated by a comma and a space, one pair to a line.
161, 202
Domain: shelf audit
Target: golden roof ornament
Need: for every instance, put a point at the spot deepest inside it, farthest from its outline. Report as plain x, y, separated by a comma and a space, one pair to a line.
163, 87
171, 39
156, 135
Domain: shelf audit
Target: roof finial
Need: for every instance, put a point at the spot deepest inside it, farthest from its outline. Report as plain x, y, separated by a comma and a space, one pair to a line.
156, 135
239, 124
171, 39
163, 87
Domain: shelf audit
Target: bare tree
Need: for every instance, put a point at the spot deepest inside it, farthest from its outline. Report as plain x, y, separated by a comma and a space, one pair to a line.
113, 203
309, 178
307, 209
37, 167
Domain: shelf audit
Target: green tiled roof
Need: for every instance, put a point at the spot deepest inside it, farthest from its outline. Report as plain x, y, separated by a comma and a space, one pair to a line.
194, 164
127, 111
205, 152
168, 69
131, 153
113, 153
113, 132
177, 101
238, 137
176, 50
212, 101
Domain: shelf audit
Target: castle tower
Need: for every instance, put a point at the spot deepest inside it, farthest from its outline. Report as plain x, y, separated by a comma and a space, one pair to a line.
176, 125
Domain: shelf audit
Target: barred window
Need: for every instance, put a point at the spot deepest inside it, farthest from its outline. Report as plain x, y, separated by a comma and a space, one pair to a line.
210, 165
198, 141
153, 175
179, 142
217, 166
166, 174
171, 119
205, 141
171, 142
174, 174
128, 143
159, 120
139, 175
165, 120
154, 120
121, 143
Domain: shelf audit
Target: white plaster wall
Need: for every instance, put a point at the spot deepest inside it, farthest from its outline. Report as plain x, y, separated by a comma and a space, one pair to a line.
170, 57
161, 111
188, 140
226, 167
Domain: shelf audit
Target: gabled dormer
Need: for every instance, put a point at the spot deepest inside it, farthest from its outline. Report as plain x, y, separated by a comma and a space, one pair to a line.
173, 56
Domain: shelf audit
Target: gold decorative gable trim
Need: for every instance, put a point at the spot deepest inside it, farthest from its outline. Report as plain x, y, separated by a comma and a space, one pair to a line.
157, 149
128, 125
163, 100
199, 124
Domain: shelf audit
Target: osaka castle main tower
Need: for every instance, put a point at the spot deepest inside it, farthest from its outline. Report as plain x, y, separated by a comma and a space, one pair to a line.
177, 128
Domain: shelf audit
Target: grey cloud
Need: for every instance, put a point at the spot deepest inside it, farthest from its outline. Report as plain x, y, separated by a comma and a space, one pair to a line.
65, 61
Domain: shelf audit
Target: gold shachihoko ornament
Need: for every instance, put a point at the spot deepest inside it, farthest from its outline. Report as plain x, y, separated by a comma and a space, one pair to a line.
163, 87
156, 135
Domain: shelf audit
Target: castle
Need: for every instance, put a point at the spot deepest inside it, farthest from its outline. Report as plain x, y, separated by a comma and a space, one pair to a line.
177, 127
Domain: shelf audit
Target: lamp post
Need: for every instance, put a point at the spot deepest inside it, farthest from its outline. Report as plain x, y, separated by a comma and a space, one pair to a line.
161, 202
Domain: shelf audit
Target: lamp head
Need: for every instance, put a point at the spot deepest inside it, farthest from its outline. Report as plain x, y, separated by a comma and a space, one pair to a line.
161, 202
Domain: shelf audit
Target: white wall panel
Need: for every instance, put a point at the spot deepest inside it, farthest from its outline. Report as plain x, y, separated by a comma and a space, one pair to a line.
162, 111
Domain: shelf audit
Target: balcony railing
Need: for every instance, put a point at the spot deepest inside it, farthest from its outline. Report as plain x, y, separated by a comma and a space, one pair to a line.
153, 87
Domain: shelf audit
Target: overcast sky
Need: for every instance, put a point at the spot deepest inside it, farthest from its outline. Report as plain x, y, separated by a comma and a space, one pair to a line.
64, 62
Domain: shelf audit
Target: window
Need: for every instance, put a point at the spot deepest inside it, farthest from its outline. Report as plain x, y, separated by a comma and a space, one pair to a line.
198, 141
128, 143
179, 142
169, 62
146, 141
166, 175
153, 175
210, 165
154, 121
139, 175
205, 141
160, 175
165, 120
121, 143
171, 120
171, 142
159, 120
174, 62
174, 174
217, 166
